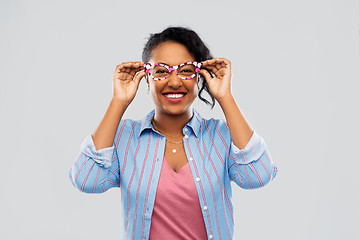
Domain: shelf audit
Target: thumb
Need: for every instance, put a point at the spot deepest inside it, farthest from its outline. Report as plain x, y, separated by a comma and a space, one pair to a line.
206, 75
138, 77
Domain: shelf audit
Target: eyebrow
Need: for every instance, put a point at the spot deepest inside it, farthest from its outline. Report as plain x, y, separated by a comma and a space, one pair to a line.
161, 63
174, 65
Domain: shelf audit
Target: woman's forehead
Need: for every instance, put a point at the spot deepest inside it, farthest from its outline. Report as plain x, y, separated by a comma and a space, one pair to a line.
171, 53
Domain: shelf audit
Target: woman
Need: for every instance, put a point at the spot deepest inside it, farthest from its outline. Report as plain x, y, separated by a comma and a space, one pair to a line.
173, 167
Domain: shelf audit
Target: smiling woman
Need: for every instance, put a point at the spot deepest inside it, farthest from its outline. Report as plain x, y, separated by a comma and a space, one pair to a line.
174, 167
173, 96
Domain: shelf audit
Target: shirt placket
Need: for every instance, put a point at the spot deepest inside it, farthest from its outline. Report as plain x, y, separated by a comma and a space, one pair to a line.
194, 158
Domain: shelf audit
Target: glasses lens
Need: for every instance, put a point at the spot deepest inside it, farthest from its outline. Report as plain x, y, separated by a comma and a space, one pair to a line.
186, 70
159, 71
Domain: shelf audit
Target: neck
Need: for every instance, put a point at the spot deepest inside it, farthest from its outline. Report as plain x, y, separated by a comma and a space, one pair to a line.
172, 124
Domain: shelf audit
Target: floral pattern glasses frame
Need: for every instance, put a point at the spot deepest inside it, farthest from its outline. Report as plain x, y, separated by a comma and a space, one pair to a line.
149, 66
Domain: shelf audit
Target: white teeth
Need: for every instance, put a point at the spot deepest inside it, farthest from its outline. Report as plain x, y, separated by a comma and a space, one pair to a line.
174, 95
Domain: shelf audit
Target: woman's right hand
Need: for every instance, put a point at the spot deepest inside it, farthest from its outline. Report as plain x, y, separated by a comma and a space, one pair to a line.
126, 80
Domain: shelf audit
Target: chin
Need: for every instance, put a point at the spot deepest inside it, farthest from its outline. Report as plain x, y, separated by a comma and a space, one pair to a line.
172, 111
175, 110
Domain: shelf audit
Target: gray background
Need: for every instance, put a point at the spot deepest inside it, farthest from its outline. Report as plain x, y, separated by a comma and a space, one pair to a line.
295, 78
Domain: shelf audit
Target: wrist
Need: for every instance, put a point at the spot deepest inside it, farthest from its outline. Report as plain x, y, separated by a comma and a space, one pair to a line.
119, 103
225, 99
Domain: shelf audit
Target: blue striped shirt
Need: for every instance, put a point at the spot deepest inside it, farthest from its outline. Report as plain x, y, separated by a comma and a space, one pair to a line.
134, 163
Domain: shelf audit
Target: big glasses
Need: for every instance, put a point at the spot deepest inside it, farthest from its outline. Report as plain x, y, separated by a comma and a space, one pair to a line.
161, 71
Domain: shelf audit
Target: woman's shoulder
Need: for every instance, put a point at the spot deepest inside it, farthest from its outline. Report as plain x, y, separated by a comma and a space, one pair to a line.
136, 125
218, 122
214, 125
212, 121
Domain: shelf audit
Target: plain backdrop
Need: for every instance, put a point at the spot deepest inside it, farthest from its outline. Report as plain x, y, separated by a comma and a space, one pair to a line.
295, 68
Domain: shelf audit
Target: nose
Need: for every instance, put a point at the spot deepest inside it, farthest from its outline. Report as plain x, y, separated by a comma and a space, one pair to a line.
174, 80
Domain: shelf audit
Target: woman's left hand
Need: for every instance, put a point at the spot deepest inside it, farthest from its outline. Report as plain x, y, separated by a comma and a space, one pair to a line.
220, 85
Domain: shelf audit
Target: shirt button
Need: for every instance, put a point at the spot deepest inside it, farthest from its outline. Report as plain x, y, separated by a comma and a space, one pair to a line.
210, 236
186, 136
197, 179
185, 129
190, 159
205, 207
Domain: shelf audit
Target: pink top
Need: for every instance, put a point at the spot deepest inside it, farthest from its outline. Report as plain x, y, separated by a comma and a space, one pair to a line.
177, 213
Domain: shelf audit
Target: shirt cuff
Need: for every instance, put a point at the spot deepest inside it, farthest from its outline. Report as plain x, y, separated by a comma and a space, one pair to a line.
102, 156
252, 151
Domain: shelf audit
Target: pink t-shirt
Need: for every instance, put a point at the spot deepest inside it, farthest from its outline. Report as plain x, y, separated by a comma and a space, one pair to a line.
177, 213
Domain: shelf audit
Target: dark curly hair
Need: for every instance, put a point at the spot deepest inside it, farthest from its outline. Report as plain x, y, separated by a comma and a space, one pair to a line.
191, 41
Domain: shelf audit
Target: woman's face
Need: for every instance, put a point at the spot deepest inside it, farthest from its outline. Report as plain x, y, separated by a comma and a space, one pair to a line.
172, 53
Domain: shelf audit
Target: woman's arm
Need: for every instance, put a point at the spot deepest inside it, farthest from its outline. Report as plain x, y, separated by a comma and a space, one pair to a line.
126, 81
220, 88
239, 129
95, 171
249, 164
104, 135
96, 166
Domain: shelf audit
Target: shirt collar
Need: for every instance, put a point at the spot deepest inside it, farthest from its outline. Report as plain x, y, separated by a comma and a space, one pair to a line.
194, 123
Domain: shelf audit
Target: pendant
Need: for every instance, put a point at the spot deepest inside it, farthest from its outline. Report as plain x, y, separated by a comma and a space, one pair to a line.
174, 150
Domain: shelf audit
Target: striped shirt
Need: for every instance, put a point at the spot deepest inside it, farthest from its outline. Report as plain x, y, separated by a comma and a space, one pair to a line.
134, 163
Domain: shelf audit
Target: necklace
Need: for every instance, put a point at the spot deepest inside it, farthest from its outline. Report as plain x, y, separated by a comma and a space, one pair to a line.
157, 129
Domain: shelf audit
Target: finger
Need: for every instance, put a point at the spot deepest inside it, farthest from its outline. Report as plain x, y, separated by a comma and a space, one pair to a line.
124, 65
208, 62
140, 66
132, 67
211, 65
206, 75
221, 73
132, 72
223, 62
217, 64
212, 69
120, 67
134, 64
215, 61
135, 70
122, 76
137, 65
138, 77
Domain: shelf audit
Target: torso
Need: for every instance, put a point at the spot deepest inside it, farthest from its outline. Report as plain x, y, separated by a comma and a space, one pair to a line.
176, 160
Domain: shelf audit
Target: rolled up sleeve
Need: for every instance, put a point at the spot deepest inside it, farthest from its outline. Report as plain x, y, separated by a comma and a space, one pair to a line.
103, 156
251, 167
95, 171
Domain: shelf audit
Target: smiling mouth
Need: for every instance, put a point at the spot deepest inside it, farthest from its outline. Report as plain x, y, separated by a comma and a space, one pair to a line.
174, 95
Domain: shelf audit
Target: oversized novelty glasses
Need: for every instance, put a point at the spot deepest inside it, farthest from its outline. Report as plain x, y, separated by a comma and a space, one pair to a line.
161, 71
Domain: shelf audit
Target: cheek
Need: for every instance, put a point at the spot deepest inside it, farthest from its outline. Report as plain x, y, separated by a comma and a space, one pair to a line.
156, 87
194, 88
